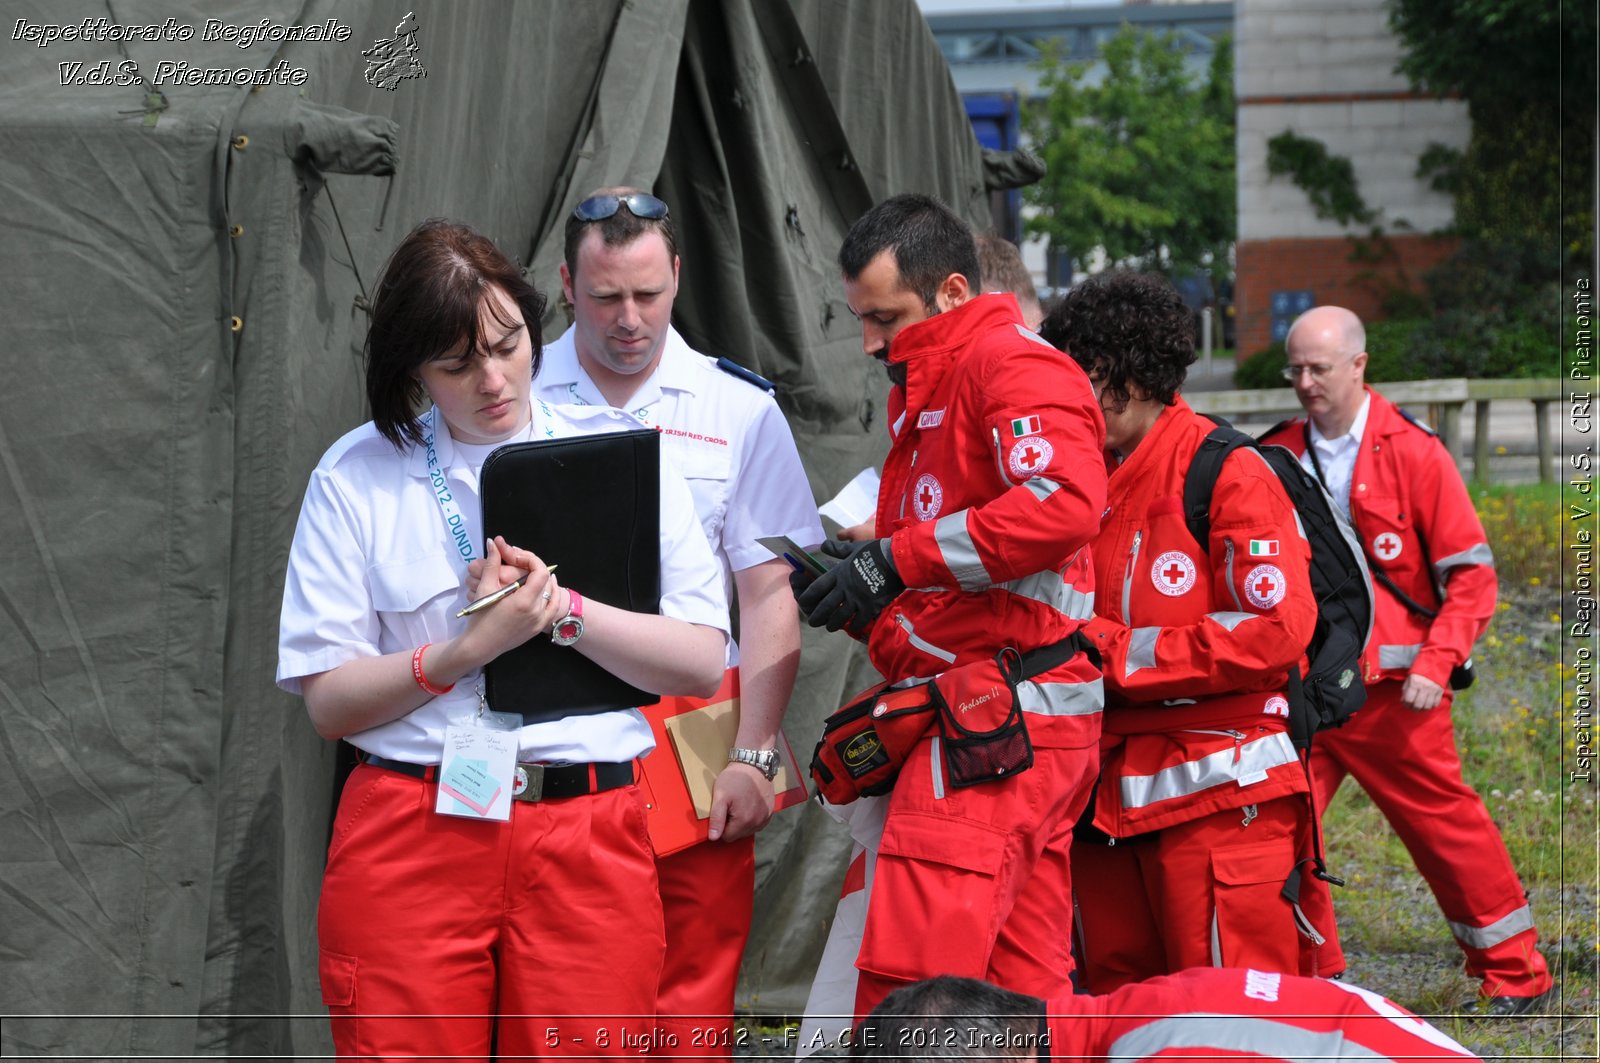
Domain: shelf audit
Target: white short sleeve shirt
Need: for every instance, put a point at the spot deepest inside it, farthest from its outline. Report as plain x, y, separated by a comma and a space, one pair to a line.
725, 436
376, 567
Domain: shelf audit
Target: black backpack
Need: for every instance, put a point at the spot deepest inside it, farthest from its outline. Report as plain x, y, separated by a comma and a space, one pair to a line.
1331, 690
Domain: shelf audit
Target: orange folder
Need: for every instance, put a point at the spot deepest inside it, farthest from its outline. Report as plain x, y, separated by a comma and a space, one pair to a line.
693, 736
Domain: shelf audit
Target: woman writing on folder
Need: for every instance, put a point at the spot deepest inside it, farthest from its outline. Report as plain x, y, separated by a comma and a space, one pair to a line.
480, 865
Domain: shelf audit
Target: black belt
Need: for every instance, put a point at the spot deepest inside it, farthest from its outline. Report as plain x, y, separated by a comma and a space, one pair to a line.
534, 782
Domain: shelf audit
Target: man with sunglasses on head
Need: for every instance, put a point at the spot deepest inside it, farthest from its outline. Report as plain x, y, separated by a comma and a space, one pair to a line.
1435, 593
723, 431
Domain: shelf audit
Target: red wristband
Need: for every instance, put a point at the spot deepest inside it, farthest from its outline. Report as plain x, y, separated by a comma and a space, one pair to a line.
422, 680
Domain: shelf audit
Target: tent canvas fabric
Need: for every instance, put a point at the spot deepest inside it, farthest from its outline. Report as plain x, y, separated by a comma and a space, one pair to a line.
185, 269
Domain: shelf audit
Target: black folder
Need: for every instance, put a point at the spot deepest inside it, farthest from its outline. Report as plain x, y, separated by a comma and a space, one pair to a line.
591, 504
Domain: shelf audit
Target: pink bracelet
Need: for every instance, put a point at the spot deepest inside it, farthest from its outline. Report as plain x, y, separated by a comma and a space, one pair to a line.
422, 680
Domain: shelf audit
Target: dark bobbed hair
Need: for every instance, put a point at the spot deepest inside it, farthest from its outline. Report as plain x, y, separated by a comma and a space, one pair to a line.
1125, 328
619, 230
427, 302
951, 1018
928, 240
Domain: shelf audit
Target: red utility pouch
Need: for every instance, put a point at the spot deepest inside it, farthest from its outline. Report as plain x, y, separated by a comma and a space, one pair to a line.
985, 735
864, 743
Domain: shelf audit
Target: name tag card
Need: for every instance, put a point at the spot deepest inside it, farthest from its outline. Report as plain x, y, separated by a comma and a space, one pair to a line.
475, 775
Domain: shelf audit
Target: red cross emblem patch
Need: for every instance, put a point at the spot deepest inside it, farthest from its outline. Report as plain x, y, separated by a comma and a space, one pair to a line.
1173, 573
1277, 705
1030, 455
1386, 547
1265, 586
926, 497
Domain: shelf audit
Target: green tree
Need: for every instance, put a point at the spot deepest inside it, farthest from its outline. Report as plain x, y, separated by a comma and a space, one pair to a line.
1141, 163
1526, 69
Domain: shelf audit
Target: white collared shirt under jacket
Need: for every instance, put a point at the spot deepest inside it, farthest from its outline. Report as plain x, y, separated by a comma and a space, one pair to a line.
374, 571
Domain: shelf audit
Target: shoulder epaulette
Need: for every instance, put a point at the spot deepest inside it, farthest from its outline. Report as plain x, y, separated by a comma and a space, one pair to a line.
749, 376
1407, 415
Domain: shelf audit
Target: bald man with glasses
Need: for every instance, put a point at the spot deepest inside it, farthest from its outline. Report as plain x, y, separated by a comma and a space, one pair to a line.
1435, 593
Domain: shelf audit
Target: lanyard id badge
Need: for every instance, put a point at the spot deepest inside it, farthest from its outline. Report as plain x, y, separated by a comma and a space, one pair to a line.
480, 759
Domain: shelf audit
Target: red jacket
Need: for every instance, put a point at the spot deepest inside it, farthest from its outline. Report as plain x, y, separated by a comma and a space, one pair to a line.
1233, 1013
991, 492
1412, 514
1196, 643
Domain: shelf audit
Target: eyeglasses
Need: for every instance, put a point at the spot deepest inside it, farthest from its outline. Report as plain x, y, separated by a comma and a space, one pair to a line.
639, 204
1291, 373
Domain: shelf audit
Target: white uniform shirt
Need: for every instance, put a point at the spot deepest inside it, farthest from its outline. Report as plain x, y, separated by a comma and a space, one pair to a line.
374, 570
1338, 457
723, 435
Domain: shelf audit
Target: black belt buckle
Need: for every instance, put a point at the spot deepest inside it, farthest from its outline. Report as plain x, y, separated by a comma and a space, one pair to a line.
527, 782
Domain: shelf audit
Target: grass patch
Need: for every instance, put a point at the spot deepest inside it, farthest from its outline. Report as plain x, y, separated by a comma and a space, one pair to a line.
1512, 730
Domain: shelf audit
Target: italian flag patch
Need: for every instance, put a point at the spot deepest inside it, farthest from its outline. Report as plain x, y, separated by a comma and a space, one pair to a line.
1263, 548
1025, 426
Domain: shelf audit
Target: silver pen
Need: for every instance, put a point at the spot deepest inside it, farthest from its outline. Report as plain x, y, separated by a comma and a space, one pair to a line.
489, 599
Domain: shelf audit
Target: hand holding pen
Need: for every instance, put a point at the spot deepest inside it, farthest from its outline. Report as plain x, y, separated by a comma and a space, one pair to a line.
500, 616
504, 592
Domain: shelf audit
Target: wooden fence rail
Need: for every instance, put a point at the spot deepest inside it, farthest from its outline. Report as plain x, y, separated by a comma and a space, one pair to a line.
1443, 399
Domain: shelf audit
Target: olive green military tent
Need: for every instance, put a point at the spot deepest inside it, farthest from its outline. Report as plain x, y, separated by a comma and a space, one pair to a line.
194, 202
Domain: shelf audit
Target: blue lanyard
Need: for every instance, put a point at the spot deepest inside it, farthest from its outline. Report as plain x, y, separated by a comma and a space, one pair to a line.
454, 522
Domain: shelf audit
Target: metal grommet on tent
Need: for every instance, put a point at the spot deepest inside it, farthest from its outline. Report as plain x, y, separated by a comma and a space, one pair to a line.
241, 142
236, 230
236, 323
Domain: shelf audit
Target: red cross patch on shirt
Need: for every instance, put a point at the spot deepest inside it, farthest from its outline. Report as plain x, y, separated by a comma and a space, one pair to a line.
1387, 547
1029, 456
1173, 573
927, 497
1265, 586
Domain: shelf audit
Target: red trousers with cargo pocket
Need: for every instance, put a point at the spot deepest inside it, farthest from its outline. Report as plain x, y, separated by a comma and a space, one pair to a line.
451, 938
975, 881
1407, 763
1203, 893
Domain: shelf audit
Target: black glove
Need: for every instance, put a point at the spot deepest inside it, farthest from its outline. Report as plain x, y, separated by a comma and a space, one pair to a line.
852, 593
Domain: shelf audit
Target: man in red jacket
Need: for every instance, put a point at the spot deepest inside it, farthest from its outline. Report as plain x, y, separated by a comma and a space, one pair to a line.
992, 489
1203, 813
1399, 486
1204, 1014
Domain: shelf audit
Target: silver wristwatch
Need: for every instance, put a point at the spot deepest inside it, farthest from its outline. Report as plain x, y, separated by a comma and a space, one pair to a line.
763, 760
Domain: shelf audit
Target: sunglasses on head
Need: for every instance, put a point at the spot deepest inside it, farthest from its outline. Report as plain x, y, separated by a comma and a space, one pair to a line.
639, 204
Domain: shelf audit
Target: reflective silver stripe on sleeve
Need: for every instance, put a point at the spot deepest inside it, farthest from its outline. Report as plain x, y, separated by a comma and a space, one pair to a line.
1141, 650
1233, 620
1487, 937
1041, 488
1191, 777
1049, 588
1061, 699
1480, 554
959, 554
1228, 1034
937, 760
1398, 656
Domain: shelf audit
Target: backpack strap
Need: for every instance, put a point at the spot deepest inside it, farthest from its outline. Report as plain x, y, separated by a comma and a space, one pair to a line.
1201, 479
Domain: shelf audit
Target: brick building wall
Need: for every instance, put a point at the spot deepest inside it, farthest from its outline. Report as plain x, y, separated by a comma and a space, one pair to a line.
1324, 69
